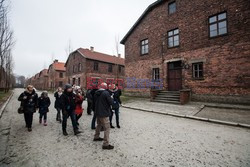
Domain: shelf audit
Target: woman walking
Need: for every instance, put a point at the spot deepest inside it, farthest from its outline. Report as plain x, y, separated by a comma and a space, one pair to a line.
43, 105
79, 101
58, 103
29, 100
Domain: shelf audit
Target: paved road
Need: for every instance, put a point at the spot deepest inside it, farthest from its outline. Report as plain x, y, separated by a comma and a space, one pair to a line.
145, 139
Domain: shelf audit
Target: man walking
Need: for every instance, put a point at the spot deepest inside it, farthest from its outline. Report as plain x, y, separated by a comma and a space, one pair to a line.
103, 104
68, 108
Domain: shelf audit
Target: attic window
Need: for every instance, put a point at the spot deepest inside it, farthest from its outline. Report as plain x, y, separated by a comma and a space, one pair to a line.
172, 7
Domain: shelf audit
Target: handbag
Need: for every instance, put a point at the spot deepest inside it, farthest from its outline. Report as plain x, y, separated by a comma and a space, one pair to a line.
20, 110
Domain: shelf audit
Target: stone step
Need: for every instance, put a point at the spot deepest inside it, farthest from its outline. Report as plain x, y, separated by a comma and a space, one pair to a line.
167, 101
170, 99
168, 95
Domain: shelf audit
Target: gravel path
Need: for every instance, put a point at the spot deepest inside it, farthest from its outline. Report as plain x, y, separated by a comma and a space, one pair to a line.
145, 139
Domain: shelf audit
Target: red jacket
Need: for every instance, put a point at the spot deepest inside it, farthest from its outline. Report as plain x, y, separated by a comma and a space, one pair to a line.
79, 101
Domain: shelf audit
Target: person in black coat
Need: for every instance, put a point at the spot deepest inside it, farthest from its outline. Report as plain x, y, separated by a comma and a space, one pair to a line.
29, 102
43, 105
90, 101
68, 108
103, 102
93, 122
116, 105
58, 103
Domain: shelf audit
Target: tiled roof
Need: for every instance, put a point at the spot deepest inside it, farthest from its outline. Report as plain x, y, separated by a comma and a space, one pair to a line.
59, 66
101, 56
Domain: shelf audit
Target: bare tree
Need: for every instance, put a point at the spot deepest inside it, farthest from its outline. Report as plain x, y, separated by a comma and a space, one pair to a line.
6, 45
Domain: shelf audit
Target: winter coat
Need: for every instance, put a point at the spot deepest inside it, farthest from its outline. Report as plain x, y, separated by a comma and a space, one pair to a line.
79, 101
58, 101
117, 100
30, 103
103, 102
93, 98
43, 104
68, 102
89, 96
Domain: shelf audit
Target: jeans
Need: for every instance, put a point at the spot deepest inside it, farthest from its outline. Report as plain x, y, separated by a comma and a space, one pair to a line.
103, 122
93, 122
66, 115
116, 116
44, 116
28, 117
78, 117
58, 115
89, 108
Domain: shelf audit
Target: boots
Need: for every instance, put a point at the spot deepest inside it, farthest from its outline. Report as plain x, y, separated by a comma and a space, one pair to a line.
109, 147
111, 126
45, 123
65, 133
40, 120
76, 132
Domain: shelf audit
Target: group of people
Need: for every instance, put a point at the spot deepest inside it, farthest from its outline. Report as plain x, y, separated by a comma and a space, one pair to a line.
68, 103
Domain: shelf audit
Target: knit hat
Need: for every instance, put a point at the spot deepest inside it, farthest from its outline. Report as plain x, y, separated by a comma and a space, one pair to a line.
68, 86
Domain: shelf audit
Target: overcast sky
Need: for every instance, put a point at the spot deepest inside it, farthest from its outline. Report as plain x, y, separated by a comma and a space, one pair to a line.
43, 28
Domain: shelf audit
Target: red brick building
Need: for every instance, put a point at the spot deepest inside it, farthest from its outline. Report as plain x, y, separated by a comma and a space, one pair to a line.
85, 66
43, 83
56, 75
199, 45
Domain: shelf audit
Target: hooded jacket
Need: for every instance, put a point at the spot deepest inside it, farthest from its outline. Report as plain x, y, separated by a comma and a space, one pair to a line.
103, 102
30, 103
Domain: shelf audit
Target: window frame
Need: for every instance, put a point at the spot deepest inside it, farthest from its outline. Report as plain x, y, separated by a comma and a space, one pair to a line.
120, 69
61, 75
143, 45
110, 68
202, 70
171, 3
96, 66
172, 36
154, 74
217, 24
79, 67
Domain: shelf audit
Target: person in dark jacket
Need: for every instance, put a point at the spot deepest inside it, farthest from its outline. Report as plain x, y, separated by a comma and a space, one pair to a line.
116, 105
29, 102
93, 122
58, 103
90, 101
103, 111
68, 108
43, 105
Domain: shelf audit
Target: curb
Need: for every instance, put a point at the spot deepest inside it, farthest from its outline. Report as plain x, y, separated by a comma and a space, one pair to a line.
195, 118
5, 104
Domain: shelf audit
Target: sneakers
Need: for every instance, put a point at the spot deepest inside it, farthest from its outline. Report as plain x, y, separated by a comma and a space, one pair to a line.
45, 124
98, 139
109, 147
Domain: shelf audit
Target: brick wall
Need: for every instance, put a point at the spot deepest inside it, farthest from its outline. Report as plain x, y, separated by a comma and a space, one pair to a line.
226, 59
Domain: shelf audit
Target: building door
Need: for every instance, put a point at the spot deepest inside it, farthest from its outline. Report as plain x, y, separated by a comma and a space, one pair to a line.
174, 76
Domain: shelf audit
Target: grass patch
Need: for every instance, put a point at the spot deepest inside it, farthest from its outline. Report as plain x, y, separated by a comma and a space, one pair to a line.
4, 96
126, 99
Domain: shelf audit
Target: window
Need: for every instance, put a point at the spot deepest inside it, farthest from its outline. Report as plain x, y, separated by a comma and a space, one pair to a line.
73, 68
172, 7
61, 75
198, 70
74, 81
60, 84
218, 25
173, 38
120, 68
79, 67
79, 81
144, 47
96, 66
156, 74
110, 68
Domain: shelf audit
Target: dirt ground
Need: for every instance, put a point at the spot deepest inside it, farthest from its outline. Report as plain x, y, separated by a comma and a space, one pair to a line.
144, 140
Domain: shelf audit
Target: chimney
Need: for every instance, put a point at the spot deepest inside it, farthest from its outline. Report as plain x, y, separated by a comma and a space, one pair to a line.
55, 61
91, 48
119, 55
